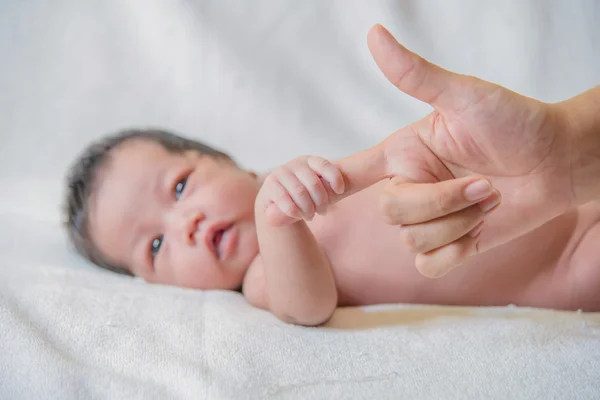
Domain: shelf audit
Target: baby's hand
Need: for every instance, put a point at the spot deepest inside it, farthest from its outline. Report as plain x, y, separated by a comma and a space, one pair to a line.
299, 189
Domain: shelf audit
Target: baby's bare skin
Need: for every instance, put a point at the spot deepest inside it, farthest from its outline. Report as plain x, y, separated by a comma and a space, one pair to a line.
544, 268
201, 222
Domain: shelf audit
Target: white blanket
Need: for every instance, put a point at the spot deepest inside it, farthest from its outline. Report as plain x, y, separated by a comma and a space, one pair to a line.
291, 77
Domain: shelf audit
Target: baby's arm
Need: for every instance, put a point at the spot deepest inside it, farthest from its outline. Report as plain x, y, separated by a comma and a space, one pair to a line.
299, 283
295, 280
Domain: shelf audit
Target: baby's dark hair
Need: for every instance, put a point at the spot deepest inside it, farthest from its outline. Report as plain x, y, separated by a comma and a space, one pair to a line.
82, 180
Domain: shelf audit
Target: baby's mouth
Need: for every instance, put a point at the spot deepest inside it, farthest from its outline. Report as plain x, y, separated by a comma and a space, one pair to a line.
217, 242
218, 239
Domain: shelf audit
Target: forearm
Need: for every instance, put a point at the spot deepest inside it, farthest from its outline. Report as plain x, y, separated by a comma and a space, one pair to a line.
299, 282
583, 126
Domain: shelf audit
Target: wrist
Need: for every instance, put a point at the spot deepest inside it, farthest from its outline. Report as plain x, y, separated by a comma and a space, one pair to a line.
581, 116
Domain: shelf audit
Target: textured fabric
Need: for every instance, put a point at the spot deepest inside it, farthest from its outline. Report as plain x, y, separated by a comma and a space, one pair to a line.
81, 335
265, 81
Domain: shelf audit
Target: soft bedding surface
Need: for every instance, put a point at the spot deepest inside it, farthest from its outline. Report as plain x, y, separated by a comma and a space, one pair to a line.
265, 81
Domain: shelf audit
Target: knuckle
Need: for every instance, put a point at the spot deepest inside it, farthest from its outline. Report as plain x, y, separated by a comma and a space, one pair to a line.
287, 207
319, 163
285, 169
283, 199
320, 196
300, 191
314, 182
316, 160
467, 223
466, 218
388, 208
272, 181
270, 187
444, 202
412, 239
301, 160
270, 178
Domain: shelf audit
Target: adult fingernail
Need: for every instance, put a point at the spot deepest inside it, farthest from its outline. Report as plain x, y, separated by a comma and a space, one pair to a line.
488, 204
436, 273
478, 190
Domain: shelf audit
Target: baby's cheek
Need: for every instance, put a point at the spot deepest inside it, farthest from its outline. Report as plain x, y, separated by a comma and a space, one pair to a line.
248, 242
242, 195
197, 275
223, 195
179, 267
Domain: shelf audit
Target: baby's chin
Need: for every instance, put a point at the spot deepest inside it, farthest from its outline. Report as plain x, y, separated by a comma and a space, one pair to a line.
247, 248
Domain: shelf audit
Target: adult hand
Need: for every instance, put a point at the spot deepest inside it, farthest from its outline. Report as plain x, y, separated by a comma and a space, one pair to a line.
486, 166
477, 132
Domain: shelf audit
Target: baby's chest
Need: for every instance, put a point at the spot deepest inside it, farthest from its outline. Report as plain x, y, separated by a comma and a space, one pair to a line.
365, 253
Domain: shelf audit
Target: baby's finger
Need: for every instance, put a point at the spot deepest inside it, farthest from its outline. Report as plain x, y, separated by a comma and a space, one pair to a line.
297, 191
282, 200
329, 172
276, 217
404, 202
440, 261
315, 187
427, 236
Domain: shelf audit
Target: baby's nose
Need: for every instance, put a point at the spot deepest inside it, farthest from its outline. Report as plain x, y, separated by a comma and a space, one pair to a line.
185, 225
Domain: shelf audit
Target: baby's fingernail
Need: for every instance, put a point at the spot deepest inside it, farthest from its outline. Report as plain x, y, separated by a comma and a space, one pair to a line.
488, 204
340, 187
478, 190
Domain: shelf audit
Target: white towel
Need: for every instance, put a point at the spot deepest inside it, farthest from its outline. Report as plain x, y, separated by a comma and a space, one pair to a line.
89, 335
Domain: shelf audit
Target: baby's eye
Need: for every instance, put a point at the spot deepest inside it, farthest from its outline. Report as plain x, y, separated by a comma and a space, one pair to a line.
155, 246
179, 187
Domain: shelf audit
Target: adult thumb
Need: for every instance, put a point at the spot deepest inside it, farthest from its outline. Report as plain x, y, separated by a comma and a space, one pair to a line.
411, 73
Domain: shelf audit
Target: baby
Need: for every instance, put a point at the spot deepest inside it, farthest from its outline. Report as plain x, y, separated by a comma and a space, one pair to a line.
302, 240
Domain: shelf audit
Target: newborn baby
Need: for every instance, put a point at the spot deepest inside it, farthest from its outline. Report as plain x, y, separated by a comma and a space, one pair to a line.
307, 237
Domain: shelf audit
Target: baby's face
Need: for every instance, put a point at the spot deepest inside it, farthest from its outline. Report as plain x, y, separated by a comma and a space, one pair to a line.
176, 219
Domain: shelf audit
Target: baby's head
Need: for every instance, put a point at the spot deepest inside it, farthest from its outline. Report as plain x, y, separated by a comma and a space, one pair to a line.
165, 208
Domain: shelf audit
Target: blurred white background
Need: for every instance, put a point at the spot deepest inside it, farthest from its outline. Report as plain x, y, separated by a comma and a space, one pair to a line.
263, 80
